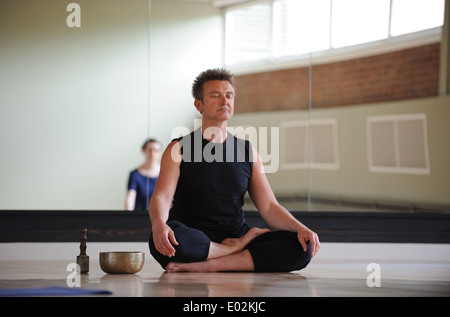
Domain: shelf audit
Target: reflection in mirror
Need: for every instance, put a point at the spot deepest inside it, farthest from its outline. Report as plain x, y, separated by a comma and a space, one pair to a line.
334, 152
78, 101
142, 180
359, 126
74, 99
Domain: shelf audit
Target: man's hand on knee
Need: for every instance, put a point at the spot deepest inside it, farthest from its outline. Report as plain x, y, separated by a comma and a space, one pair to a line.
163, 238
304, 235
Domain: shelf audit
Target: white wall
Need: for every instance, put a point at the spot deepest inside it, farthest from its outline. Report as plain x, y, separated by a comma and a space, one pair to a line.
186, 38
74, 102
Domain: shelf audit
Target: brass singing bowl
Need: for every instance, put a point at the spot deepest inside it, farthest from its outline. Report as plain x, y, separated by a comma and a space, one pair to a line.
122, 262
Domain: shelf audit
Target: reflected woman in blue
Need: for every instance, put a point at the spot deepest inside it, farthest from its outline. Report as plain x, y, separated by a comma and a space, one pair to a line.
142, 180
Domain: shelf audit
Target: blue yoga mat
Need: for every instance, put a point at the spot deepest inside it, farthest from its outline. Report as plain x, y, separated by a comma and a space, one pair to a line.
52, 291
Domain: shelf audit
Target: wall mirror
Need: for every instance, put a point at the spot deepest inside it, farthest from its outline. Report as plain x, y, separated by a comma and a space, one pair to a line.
345, 119
358, 92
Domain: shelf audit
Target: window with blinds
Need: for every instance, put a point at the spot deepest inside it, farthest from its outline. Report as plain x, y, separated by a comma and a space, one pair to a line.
248, 33
359, 21
300, 27
265, 30
410, 16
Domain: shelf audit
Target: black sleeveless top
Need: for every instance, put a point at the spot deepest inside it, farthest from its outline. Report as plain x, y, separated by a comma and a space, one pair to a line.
213, 180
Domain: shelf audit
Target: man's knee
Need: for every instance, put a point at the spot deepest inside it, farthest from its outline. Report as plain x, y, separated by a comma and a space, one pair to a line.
279, 251
293, 257
193, 245
304, 258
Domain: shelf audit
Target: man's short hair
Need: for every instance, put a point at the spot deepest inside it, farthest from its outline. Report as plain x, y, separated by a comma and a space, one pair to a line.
208, 75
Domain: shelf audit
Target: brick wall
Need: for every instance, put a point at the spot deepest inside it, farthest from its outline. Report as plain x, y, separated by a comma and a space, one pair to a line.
406, 74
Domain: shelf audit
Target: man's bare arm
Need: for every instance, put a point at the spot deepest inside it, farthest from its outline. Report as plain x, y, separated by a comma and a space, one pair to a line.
276, 216
162, 198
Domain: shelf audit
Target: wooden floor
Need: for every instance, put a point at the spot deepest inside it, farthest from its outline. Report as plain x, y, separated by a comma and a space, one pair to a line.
340, 269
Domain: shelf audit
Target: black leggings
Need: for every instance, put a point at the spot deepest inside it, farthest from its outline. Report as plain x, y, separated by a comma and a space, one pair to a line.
274, 251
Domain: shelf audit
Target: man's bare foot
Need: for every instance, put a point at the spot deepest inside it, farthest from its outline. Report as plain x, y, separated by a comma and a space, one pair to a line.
241, 261
233, 245
226, 247
173, 267
238, 244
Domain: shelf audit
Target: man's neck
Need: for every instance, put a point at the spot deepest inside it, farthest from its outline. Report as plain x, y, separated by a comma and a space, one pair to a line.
216, 133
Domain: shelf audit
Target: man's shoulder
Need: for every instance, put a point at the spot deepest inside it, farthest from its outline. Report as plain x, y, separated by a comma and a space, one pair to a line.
188, 136
238, 140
